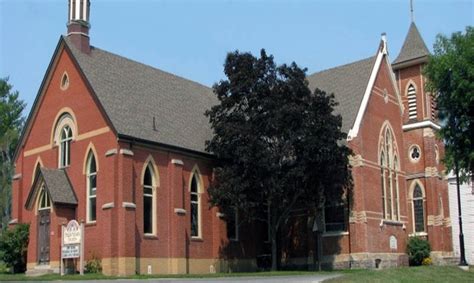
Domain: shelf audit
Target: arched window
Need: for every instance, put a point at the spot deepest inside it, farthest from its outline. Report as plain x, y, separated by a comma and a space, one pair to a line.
411, 95
383, 182
389, 168
65, 139
91, 175
388, 145
195, 207
44, 202
395, 189
418, 209
148, 201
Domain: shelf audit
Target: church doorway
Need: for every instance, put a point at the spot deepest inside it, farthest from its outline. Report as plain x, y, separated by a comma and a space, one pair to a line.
44, 219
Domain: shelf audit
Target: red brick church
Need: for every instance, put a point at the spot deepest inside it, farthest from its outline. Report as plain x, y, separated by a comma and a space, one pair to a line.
120, 146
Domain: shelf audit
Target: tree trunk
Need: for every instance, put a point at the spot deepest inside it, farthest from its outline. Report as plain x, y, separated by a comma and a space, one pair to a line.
274, 252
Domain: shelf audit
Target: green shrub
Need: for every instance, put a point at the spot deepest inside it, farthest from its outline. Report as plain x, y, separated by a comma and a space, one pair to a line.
94, 265
14, 244
418, 249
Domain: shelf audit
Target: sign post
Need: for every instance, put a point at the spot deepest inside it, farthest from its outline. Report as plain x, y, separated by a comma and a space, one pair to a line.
72, 244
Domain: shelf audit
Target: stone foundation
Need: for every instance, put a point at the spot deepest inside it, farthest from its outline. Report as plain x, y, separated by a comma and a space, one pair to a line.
444, 258
346, 261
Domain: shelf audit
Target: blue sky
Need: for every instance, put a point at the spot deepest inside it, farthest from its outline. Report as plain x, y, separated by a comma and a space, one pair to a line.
192, 38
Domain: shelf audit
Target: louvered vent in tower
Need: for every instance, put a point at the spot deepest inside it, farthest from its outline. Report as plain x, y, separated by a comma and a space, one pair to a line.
433, 107
411, 102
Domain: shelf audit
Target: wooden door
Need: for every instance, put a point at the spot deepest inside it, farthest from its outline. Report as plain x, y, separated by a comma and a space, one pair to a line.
43, 236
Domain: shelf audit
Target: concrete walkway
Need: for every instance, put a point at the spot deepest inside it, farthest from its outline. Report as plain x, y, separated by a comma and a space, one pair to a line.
273, 279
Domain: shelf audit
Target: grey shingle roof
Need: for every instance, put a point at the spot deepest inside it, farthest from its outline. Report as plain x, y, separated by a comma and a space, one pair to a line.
57, 185
413, 47
348, 83
134, 94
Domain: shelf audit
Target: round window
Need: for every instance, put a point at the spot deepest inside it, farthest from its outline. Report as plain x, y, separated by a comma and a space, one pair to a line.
414, 153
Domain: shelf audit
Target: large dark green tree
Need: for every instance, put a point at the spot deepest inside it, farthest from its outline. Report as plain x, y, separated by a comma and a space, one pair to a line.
11, 122
278, 144
450, 73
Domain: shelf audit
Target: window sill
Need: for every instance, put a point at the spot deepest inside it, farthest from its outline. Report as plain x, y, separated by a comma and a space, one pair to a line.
150, 236
391, 222
335, 234
197, 239
418, 234
91, 224
233, 240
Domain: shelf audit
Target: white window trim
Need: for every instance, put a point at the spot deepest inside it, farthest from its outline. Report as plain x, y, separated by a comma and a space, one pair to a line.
418, 234
335, 233
198, 202
88, 202
44, 194
412, 199
411, 94
64, 82
390, 169
410, 149
67, 146
153, 187
65, 120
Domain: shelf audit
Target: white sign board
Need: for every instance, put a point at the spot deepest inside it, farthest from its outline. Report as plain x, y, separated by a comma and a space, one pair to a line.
72, 244
393, 243
71, 251
72, 233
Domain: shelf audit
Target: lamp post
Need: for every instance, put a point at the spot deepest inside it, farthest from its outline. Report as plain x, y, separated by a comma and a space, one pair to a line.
461, 235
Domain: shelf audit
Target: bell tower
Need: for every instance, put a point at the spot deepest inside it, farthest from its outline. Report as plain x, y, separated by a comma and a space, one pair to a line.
78, 24
423, 150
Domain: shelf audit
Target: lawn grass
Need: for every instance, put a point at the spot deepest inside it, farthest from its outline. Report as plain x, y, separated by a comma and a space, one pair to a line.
408, 274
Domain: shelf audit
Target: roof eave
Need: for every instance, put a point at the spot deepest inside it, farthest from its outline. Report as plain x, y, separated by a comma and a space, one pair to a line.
411, 62
355, 126
174, 148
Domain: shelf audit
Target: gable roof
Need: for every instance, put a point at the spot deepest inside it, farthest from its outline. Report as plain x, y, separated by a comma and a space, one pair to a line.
146, 103
348, 83
57, 185
413, 47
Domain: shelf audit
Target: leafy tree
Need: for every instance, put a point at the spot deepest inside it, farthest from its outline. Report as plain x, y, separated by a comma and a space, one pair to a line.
278, 145
11, 122
14, 245
450, 73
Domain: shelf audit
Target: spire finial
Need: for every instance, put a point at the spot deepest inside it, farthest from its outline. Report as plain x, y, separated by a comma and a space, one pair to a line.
411, 11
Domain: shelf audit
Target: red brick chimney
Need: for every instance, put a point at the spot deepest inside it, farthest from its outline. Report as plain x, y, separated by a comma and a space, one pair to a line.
78, 24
